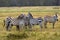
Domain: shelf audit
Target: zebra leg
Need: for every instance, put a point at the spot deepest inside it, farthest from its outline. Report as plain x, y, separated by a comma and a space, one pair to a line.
18, 27
25, 25
4, 23
53, 25
7, 26
30, 27
45, 24
41, 25
10, 26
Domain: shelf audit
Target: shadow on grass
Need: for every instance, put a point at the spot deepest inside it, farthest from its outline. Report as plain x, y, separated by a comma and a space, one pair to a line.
18, 36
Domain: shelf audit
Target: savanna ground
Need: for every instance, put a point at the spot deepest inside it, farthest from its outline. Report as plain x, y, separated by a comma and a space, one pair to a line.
36, 33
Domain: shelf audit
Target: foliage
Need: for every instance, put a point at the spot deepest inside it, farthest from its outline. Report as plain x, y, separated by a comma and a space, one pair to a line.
29, 2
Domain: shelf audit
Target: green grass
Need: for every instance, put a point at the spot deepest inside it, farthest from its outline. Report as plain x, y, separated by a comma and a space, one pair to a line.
36, 33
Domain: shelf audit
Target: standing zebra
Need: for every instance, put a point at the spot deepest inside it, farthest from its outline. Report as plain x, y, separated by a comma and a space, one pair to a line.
20, 22
50, 19
34, 21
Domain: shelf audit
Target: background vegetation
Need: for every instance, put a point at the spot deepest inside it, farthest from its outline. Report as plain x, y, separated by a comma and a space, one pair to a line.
29, 2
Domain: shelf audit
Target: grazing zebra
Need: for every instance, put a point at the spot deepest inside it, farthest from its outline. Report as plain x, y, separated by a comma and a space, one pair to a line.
50, 19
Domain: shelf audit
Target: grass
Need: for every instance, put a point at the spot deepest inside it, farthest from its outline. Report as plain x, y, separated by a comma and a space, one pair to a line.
36, 33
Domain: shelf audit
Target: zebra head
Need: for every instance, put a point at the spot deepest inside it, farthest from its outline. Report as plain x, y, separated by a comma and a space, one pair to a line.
20, 16
30, 15
56, 17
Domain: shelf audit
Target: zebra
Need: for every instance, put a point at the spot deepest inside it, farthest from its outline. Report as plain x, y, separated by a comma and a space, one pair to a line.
50, 19
20, 22
34, 21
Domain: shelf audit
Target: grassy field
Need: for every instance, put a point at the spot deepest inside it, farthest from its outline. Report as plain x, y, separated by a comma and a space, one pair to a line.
36, 33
